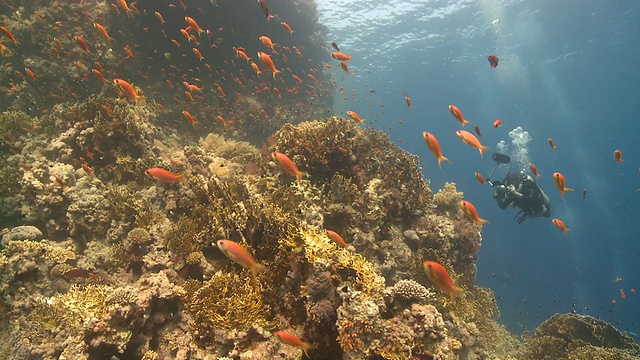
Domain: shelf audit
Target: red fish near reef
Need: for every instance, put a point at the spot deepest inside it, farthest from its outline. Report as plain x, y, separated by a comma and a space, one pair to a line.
493, 61
354, 115
335, 237
268, 63
82, 44
560, 225
558, 179
127, 89
287, 165
458, 115
239, 255
472, 213
434, 146
439, 275
293, 340
8, 34
469, 139
163, 175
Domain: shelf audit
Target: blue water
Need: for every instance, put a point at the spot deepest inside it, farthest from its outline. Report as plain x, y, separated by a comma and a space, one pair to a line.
568, 70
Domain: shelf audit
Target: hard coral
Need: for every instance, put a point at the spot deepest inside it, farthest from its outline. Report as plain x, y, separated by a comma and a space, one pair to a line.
226, 301
448, 199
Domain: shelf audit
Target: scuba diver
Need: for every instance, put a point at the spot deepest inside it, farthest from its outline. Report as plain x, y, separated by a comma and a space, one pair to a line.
519, 190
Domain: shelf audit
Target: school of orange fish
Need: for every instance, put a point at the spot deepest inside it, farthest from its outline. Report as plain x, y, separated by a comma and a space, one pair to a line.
193, 34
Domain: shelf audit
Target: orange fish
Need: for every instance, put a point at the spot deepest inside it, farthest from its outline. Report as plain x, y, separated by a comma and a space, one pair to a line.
127, 49
293, 340
159, 16
497, 123
355, 116
560, 225
257, 69
622, 294
472, 213
345, 67
434, 146
407, 99
194, 25
103, 32
286, 27
551, 143
123, 4
8, 34
163, 175
287, 165
618, 279
198, 54
439, 275
340, 56
128, 90
480, 178
618, 156
458, 115
239, 255
82, 44
558, 179
268, 63
470, 139
534, 170
335, 237
267, 41
192, 119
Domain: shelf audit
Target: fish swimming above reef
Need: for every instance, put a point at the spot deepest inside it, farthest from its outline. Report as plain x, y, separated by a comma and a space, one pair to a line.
439, 275
163, 175
239, 255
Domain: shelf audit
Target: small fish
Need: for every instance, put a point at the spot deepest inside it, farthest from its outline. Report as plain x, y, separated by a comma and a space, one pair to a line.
293, 340
212, 39
472, 213
265, 9
287, 165
458, 115
439, 275
256, 68
434, 146
470, 139
493, 61
355, 116
622, 294
267, 41
340, 56
335, 237
190, 118
477, 129
497, 123
345, 67
127, 89
407, 99
335, 46
8, 34
198, 54
163, 175
480, 178
618, 156
268, 63
239, 255
560, 225
584, 194
287, 27
82, 44
103, 32
618, 279
534, 170
552, 143
560, 182
159, 16
194, 25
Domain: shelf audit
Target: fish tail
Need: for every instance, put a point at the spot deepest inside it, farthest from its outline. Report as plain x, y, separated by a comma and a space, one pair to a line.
305, 347
568, 189
257, 268
299, 175
274, 74
454, 293
441, 159
482, 149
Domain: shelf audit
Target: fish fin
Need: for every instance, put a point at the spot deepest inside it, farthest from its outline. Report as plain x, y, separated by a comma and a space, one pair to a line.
482, 149
305, 346
299, 175
454, 293
257, 268
568, 189
441, 159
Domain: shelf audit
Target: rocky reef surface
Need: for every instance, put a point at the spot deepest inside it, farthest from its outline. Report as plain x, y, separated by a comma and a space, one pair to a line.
110, 262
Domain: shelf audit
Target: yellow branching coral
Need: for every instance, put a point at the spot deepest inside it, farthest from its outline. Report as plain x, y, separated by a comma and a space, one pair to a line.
226, 301
39, 249
318, 247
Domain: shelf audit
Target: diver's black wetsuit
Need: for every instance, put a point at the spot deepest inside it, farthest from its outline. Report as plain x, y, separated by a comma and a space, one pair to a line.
520, 190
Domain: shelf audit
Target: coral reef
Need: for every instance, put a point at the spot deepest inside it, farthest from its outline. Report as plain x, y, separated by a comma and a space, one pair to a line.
572, 336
